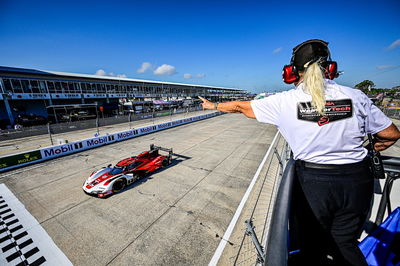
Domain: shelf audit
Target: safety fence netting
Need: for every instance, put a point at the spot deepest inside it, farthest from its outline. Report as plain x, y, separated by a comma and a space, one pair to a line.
248, 241
392, 112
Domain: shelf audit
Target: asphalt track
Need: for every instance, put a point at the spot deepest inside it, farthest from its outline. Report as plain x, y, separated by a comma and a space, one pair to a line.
174, 217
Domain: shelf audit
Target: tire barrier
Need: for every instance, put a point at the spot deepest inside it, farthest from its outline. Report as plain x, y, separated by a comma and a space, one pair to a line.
14, 161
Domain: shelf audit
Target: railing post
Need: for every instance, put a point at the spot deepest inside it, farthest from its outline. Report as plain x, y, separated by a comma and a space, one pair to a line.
250, 232
49, 131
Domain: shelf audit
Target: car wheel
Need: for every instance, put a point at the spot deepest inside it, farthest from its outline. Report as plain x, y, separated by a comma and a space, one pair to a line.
164, 163
119, 185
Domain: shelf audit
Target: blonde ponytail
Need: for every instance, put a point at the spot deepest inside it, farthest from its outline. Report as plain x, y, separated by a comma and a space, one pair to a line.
314, 84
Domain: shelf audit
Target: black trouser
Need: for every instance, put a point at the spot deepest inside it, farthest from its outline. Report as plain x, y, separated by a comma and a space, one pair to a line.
330, 207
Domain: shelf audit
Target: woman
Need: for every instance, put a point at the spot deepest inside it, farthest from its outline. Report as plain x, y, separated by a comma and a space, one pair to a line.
325, 125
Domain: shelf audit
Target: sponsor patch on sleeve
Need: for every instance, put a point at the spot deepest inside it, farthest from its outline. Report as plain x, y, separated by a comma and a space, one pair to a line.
335, 110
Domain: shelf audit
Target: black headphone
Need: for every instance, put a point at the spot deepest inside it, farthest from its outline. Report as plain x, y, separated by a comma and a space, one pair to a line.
290, 72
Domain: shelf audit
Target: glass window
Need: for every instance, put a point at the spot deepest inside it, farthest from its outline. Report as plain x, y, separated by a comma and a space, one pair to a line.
119, 88
78, 87
26, 87
35, 86
64, 87
50, 85
83, 87
88, 87
58, 87
116, 170
134, 165
103, 88
71, 87
16, 83
42, 87
7, 85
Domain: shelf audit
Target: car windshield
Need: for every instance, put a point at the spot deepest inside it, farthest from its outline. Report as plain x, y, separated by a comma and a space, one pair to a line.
116, 170
134, 165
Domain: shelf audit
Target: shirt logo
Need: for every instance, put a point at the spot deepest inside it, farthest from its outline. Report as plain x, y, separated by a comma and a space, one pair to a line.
335, 110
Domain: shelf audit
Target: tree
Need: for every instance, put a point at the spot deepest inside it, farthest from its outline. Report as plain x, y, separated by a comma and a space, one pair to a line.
364, 85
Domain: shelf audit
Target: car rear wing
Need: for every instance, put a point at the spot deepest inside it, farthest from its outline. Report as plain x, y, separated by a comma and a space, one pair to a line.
154, 147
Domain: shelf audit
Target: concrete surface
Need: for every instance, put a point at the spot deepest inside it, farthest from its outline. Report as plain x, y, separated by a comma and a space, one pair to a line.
174, 217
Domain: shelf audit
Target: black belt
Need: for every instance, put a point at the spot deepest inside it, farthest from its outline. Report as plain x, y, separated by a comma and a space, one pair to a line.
331, 166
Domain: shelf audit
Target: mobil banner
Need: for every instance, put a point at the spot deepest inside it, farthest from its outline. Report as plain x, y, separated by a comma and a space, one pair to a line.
146, 130
19, 159
164, 126
126, 134
55, 151
99, 141
64, 149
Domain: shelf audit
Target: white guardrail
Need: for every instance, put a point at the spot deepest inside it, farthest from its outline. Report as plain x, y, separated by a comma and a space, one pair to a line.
10, 162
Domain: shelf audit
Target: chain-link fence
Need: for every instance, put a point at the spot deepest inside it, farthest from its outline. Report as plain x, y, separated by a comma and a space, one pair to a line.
392, 112
257, 211
58, 128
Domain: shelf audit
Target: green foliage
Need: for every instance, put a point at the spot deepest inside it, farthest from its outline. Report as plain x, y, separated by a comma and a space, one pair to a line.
364, 85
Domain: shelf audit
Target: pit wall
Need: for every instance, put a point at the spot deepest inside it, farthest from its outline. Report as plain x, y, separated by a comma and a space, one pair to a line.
48, 153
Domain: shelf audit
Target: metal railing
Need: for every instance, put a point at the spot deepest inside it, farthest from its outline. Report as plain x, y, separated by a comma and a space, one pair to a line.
391, 112
252, 228
392, 170
58, 128
265, 232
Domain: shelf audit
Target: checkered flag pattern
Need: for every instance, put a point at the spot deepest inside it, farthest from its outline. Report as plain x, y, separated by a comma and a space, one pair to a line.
22, 240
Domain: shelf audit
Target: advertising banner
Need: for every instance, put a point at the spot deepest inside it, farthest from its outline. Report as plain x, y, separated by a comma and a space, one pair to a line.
15, 161
18, 159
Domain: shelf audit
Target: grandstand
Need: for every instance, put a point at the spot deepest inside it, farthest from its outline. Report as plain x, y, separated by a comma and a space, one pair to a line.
29, 92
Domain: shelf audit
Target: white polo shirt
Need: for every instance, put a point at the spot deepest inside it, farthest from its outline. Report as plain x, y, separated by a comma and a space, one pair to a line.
337, 137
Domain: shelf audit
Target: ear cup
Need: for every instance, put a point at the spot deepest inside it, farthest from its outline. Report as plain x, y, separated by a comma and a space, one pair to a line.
290, 74
331, 70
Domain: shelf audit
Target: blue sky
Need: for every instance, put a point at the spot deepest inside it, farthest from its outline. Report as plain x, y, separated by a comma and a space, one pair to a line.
241, 44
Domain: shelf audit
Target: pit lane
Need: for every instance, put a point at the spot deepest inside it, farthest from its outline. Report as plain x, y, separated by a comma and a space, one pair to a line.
174, 217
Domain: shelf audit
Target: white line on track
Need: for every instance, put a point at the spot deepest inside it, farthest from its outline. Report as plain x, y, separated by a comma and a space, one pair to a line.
229, 230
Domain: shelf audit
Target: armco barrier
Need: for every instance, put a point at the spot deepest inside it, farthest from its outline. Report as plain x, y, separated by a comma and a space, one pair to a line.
18, 160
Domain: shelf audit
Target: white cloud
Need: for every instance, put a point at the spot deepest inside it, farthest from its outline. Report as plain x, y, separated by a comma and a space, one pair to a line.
200, 76
187, 76
277, 50
101, 72
165, 70
394, 45
385, 66
145, 66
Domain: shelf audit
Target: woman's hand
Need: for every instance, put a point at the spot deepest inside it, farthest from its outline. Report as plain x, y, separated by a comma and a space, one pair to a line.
207, 104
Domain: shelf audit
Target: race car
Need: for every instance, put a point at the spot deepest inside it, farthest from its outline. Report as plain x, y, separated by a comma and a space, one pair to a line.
110, 180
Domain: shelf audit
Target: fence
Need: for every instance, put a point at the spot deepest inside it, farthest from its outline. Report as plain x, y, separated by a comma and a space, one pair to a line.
391, 112
254, 218
262, 231
10, 162
86, 124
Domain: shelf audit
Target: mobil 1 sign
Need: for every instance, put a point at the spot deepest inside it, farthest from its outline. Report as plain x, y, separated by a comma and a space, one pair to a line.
18, 159
56, 151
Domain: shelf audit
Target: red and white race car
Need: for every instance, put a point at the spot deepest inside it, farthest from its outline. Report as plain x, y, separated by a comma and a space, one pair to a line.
110, 180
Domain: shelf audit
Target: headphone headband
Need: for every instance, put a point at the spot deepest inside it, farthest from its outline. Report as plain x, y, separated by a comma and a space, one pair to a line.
314, 53
316, 41
295, 49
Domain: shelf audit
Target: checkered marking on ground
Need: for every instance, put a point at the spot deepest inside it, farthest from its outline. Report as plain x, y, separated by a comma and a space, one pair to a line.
22, 240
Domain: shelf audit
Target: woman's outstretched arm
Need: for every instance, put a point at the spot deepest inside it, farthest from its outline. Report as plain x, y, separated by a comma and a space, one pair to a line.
243, 107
